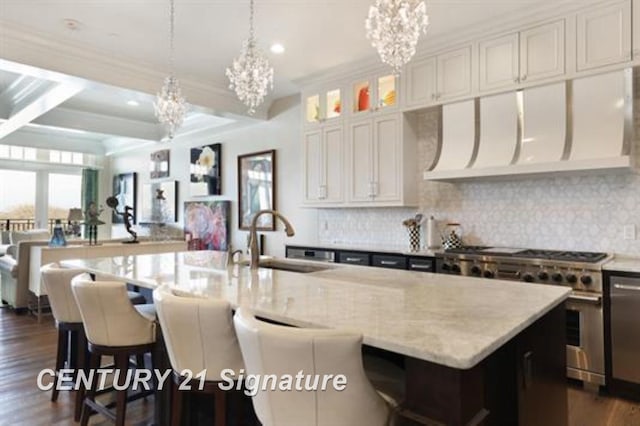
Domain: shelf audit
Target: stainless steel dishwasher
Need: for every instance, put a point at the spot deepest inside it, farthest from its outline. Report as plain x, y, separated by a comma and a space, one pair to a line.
625, 328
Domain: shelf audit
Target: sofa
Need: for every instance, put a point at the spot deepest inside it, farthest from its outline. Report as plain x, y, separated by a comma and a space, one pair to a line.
14, 274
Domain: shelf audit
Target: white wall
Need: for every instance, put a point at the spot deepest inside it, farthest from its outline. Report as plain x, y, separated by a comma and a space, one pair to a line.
281, 132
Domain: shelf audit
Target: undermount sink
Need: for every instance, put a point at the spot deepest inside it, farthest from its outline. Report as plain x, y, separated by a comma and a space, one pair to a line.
303, 268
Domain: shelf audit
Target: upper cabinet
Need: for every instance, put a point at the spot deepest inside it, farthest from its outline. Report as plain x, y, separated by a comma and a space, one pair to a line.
381, 164
604, 35
534, 54
542, 52
323, 153
438, 78
499, 62
377, 93
322, 105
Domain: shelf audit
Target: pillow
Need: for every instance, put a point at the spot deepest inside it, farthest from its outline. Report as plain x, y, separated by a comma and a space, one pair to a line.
31, 235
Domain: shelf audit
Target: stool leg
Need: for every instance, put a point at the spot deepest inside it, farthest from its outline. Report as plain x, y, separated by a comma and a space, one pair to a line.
94, 364
81, 365
122, 365
176, 404
61, 356
139, 361
220, 397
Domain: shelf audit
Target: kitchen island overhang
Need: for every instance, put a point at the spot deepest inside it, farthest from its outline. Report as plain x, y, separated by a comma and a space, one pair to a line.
460, 335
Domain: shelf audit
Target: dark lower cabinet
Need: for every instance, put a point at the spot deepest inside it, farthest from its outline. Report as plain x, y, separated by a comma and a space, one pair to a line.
363, 258
354, 258
421, 264
389, 261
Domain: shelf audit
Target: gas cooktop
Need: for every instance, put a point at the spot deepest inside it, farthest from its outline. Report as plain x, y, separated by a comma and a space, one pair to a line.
559, 255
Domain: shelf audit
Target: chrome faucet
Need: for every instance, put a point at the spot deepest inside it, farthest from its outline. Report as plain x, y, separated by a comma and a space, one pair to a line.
253, 234
231, 254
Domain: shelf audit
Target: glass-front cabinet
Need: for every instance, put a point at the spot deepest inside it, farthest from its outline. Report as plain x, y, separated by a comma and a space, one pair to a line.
323, 105
374, 94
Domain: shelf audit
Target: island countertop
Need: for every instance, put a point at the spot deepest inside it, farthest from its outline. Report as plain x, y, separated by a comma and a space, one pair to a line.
448, 320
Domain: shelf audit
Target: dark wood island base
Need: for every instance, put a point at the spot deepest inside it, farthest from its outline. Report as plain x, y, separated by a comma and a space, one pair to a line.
522, 383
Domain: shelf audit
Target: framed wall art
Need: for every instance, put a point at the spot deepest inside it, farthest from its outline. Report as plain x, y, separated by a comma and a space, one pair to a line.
124, 190
205, 171
159, 202
159, 164
256, 188
206, 224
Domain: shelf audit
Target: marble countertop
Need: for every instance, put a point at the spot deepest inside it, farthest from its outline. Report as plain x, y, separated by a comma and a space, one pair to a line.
449, 320
623, 264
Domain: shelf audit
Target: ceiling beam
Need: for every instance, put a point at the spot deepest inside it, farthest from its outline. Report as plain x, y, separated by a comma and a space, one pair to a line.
68, 118
39, 106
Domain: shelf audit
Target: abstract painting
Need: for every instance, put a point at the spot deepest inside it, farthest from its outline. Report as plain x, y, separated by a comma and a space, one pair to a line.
206, 224
256, 189
124, 190
159, 202
159, 164
205, 171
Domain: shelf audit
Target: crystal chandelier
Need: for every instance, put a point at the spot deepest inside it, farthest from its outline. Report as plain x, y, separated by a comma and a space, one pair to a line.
394, 26
250, 76
171, 107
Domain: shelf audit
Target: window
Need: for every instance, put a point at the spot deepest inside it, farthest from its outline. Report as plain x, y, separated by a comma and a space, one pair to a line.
17, 200
64, 194
54, 156
4, 151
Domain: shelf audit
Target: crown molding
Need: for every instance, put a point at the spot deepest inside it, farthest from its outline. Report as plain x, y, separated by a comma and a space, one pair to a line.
517, 21
37, 50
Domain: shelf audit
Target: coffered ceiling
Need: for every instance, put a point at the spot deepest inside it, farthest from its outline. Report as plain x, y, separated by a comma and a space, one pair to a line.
318, 35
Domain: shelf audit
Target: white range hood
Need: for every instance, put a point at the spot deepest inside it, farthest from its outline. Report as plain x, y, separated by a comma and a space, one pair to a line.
582, 125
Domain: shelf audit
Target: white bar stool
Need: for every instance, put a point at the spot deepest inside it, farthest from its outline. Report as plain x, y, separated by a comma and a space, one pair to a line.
114, 327
72, 342
270, 349
199, 335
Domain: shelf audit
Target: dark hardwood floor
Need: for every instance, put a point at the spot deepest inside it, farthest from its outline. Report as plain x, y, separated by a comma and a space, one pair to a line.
27, 347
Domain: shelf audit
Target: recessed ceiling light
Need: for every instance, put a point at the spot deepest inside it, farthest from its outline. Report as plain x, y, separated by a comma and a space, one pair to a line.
277, 48
132, 103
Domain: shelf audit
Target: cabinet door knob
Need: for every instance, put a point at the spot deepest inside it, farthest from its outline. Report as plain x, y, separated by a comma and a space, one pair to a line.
433, 97
524, 77
516, 80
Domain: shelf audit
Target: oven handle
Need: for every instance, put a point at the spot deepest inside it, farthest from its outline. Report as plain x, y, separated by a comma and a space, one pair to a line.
626, 287
581, 298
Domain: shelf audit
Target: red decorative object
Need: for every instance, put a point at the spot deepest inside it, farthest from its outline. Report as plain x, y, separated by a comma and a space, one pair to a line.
363, 99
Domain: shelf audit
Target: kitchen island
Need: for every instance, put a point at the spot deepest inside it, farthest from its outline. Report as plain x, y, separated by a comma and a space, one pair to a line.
476, 351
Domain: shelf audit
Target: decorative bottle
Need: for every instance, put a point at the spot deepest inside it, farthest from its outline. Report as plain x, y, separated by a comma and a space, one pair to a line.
58, 240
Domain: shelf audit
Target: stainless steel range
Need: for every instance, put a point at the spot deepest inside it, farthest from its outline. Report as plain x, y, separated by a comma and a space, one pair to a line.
582, 271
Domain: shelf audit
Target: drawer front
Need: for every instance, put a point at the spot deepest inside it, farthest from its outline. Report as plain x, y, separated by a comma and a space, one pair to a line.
421, 264
389, 261
354, 258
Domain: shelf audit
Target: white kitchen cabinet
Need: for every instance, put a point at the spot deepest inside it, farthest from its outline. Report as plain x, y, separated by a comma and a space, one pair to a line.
604, 35
421, 81
324, 165
533, 54
374, 94
438, 78
635, 11
323, 105
499, 62
381, 164
454, 74
542, 52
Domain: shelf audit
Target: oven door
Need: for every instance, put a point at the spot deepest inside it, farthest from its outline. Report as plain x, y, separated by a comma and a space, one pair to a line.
585, 338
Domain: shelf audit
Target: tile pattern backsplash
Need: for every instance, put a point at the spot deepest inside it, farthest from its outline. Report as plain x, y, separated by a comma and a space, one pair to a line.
564, 213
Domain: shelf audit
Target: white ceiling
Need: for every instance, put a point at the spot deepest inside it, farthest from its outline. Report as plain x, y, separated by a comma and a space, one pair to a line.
318, 35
